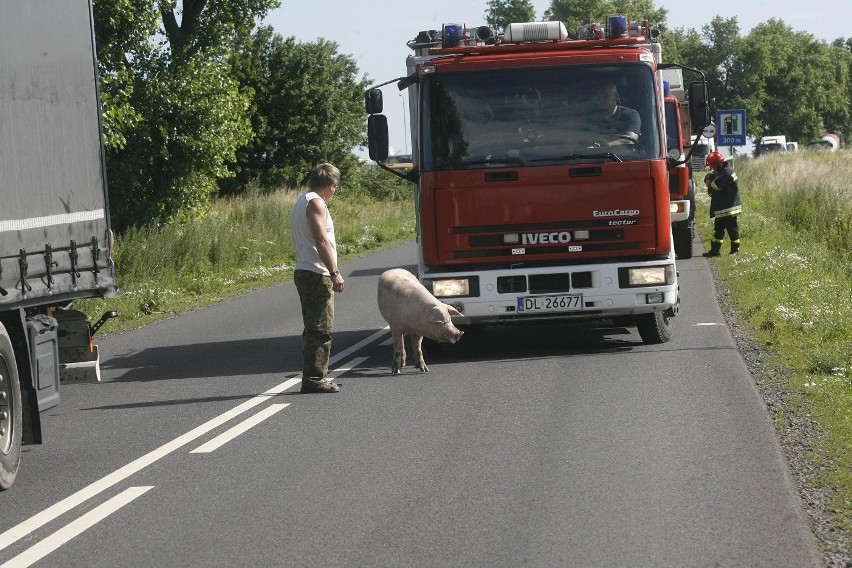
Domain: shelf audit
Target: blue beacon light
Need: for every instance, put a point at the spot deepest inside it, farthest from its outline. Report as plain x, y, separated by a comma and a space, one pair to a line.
616, 27
453, 35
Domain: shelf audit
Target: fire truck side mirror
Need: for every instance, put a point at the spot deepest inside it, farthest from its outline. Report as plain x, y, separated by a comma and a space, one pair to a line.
377, 137
699, 105
373, 101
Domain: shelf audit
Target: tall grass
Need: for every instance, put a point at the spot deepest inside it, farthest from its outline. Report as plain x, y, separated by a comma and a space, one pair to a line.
243, 243
792, 285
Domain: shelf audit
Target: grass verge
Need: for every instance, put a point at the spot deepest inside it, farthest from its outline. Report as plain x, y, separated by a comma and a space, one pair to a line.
242, 244
791, 285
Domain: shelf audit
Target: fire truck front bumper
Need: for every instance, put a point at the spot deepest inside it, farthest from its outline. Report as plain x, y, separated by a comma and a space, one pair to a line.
567, 292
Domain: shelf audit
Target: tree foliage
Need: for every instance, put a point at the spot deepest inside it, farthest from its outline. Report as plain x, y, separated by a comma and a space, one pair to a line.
501, 13
174, 115
307, 106
788, 82
197, 100
575, 13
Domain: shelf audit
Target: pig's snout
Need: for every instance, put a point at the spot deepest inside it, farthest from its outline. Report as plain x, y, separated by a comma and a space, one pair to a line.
452, 335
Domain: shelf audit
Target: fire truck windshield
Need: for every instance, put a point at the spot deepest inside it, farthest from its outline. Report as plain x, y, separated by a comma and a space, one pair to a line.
539, 116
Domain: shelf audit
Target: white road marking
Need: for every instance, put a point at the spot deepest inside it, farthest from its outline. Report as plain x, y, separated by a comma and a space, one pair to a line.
38, 520
706, 324
347, 367
359, 345
41, 549
240, 428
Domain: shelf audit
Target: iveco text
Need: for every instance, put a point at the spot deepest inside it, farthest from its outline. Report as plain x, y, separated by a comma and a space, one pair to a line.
541, 238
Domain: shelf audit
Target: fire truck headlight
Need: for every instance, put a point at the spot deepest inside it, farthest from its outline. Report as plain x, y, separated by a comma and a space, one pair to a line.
647, 276
677, 207
452, 287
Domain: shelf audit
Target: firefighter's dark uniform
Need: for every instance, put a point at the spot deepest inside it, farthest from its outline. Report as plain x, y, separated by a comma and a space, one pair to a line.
725, 206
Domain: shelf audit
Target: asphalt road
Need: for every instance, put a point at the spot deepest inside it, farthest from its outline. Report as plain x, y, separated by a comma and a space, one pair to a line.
543, 447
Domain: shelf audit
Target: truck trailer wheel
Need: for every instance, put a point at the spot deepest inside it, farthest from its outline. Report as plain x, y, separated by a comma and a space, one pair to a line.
657, 327
10, 413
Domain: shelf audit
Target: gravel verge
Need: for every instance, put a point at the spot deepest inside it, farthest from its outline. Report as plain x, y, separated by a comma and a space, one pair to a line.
797, 433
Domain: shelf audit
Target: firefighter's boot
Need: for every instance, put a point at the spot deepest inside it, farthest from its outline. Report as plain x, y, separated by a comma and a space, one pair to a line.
735, 247
715, 249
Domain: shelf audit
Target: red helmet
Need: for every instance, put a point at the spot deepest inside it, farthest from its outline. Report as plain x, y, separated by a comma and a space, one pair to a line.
714, 160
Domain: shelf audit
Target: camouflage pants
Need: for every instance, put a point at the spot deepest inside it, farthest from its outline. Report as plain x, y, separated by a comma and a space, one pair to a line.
317, 299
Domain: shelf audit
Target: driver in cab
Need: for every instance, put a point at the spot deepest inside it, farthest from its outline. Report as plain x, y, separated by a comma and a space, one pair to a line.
606, 115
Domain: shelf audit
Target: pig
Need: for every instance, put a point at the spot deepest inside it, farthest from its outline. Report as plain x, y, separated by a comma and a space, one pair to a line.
410, 309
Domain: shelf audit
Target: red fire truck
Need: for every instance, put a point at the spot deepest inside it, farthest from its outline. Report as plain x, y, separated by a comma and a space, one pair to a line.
535, 200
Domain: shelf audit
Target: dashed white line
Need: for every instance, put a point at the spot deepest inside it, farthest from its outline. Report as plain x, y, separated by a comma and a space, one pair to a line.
74, 528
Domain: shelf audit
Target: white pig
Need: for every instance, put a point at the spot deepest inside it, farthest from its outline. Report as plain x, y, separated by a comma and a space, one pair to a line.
410, 309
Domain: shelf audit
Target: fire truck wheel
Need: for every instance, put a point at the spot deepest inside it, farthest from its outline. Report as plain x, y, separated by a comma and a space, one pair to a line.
683, 237
657, 327
10, 413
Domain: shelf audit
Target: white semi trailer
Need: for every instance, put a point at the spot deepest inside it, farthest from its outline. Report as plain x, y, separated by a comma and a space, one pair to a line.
55, 238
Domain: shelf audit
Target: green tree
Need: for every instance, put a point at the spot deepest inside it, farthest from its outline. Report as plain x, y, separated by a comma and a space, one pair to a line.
574, 13
123, 31
307, 107
501, 13
795, 85
682, 46
718, 57
174, 115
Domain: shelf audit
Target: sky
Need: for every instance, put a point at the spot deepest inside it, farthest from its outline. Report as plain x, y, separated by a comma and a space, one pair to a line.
374, 33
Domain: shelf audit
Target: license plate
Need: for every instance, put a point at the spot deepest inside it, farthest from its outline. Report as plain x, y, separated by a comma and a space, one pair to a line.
562, 303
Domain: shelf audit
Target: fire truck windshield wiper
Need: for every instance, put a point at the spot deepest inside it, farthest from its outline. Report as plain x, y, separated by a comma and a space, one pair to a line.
598, 156
494, 161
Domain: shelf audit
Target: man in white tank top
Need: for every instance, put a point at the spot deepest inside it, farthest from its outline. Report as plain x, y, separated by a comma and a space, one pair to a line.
317, 277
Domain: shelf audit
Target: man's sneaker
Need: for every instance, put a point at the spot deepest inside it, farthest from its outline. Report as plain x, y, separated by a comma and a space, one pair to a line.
319, 386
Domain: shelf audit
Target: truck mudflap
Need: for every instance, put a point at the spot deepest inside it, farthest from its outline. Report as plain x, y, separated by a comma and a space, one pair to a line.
79, 358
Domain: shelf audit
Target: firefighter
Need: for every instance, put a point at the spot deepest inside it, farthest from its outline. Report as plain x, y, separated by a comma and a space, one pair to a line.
725, 205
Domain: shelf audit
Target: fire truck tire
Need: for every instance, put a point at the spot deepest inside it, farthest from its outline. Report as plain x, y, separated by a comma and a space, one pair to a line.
10, 413
657, 327
683, 238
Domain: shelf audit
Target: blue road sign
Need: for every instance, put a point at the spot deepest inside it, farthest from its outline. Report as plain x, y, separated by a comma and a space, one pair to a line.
731, 127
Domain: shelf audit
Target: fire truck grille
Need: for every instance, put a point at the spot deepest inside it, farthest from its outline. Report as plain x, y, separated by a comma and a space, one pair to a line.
541, 250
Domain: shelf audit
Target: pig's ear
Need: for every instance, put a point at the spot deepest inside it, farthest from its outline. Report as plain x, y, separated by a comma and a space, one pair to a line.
453, 312
436, 315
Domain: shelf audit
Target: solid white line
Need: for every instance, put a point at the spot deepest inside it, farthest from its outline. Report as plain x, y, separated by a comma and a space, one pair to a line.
38, 551
240, 428
347, 367
359, 345
706, 324
40, 519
